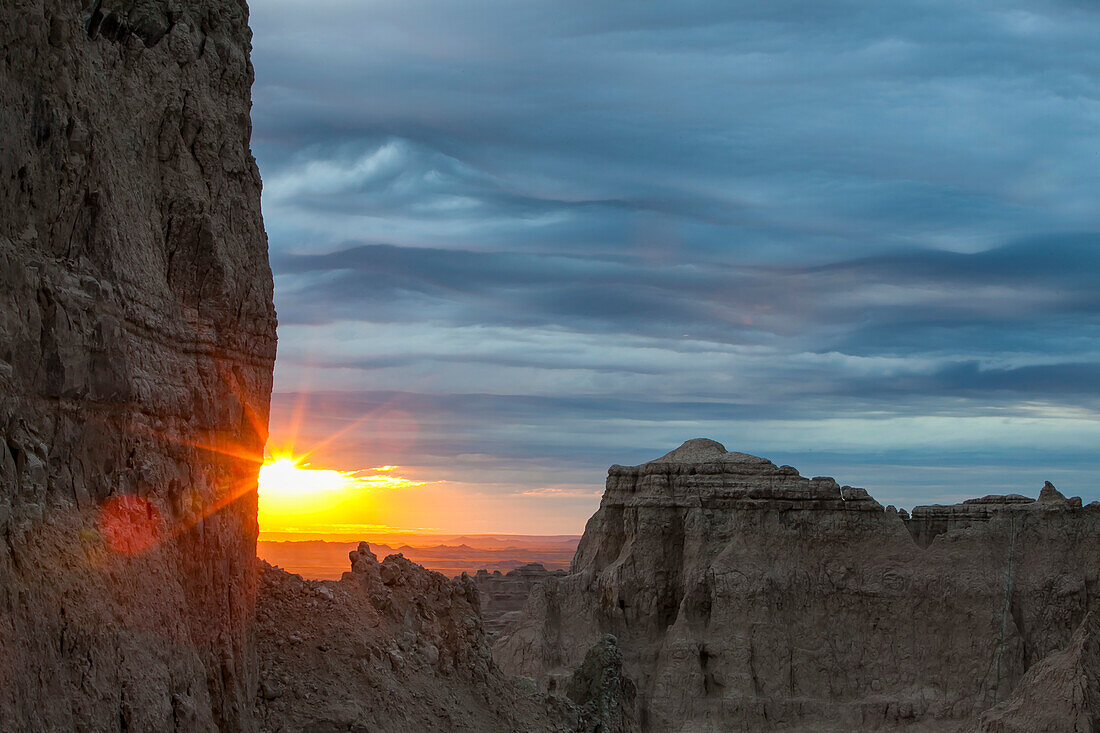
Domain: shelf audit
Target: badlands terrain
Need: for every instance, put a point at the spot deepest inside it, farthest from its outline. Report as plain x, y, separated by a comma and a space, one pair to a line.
712, 591
746, 597
448, 554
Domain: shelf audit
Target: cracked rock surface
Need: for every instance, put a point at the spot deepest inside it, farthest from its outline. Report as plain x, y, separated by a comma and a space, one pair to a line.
137, 337
1059, 694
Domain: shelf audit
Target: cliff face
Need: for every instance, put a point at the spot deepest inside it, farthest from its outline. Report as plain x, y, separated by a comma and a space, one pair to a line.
929, 522
503, 595
746, 597
1060, 694
137, 337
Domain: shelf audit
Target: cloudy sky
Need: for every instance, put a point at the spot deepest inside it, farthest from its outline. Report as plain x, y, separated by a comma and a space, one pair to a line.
515, 242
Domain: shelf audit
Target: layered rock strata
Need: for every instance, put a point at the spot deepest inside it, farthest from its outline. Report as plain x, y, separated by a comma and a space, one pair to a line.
395, 648
137, 337
503, 595
746, 597
928, 522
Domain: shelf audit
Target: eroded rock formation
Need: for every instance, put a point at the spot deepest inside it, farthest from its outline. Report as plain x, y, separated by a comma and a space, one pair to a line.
605, 697
746, 597
137, 337
503, 595
392, 648
928, 522
1060, 694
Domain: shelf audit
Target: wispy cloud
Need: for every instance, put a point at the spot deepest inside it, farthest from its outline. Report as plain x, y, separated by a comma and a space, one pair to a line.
575, 235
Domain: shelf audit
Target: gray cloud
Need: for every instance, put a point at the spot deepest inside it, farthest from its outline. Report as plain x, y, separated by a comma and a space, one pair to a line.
624, 224
872, 304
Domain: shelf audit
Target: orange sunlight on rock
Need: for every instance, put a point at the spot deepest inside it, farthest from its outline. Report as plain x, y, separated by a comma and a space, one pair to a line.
298, 498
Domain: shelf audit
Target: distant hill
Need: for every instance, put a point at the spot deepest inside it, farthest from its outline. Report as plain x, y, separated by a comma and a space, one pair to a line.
448, 554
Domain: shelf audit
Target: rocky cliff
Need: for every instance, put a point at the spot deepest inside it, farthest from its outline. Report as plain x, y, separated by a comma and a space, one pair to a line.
1060, 694
137, 337
928, 522
503, 595
395, 648
746, 597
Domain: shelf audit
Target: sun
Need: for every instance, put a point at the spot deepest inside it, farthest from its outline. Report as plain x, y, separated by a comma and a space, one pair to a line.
293, 495
292, 478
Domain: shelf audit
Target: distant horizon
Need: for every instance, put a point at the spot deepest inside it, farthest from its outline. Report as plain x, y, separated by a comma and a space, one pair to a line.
343, 533
328, 558
366, 537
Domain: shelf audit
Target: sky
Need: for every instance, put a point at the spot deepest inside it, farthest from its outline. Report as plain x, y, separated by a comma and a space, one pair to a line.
515, 242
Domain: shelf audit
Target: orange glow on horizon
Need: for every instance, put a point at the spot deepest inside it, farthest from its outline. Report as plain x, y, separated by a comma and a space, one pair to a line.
295, 497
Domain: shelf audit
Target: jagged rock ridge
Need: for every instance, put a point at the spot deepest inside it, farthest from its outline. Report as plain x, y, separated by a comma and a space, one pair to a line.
395, 648
928, 522
746, 597
137, 337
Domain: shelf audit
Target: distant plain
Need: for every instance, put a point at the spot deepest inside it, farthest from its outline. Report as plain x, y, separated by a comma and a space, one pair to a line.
448, 554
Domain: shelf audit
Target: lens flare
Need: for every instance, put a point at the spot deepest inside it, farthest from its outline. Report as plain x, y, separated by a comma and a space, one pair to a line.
129, 524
